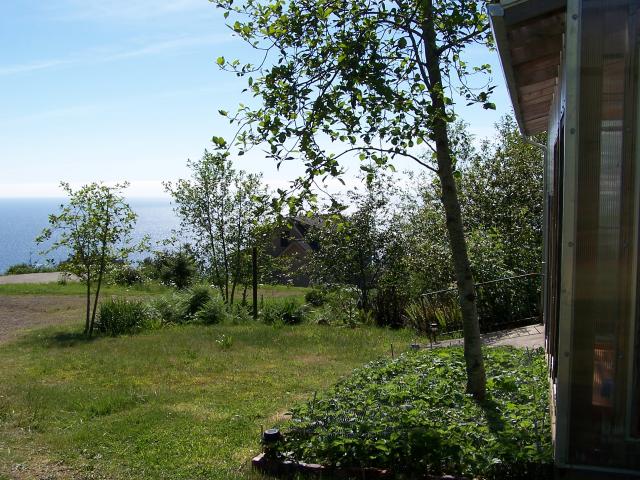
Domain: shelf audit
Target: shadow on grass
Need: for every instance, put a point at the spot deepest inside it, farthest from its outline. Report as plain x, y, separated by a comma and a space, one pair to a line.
68, 339
51, 338
494, 417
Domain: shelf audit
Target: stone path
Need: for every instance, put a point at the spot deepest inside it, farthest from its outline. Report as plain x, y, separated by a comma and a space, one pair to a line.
531, 336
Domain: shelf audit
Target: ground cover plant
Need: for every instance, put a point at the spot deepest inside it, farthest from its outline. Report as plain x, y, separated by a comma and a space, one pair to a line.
412, 415
176, 403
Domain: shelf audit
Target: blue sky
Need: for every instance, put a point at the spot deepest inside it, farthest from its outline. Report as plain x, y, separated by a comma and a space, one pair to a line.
112, 90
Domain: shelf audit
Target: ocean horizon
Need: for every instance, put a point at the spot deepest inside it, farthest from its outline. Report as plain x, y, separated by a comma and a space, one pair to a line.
23, 219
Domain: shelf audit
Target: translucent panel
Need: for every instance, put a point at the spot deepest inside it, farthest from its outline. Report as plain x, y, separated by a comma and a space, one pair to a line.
605, 286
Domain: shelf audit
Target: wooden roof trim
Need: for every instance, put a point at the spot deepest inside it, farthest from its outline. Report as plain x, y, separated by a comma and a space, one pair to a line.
528, 35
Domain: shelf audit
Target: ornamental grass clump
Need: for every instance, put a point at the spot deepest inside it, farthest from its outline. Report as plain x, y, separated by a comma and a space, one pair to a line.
288, 311
412, 415
195, 298
118, 316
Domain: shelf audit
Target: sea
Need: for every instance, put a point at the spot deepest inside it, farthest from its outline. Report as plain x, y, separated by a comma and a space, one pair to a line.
23, 219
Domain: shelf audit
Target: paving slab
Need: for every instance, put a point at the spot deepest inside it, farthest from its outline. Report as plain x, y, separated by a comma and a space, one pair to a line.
531, 336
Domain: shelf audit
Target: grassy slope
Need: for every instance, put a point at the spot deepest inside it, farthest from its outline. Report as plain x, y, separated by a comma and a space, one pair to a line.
165, 404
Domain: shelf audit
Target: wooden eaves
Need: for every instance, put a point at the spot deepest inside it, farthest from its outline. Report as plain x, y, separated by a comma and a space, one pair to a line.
529, 38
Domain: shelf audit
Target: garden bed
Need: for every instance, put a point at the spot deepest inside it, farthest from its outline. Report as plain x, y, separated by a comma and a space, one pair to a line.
411, 416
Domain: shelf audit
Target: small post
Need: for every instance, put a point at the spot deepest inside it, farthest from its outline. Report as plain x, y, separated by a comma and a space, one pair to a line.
392, 351
254, 262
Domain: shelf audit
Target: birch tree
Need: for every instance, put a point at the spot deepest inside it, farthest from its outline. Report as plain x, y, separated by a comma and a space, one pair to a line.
371, 78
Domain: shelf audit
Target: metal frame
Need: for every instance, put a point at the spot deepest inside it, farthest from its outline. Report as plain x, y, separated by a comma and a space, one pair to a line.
567, 264
634, 282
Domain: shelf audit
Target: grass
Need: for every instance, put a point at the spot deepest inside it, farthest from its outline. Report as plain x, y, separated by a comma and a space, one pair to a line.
176, 403
75, 288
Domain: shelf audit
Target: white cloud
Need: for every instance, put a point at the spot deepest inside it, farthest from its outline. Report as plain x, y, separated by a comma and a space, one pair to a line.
33, 66
104, 55
124, 9
174, 44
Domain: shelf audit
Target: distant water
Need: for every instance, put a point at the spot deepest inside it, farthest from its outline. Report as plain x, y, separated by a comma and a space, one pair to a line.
22, 220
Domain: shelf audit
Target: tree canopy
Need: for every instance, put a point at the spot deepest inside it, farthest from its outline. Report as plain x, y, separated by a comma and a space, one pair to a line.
95, 225
367, 77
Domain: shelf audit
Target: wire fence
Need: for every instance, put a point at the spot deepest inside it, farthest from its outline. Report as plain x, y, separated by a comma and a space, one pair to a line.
502, 303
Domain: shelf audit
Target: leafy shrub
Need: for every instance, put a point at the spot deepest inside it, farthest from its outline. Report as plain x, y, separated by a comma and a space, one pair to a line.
118, 316
239, 313
343, 305
340, 307
127, 275
172, 268
287, 310
316, 297
196, 298
168, 309
412, 415
23, 268
213, 311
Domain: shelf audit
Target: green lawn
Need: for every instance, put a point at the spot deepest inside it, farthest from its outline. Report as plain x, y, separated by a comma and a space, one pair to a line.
171, 403
75, 288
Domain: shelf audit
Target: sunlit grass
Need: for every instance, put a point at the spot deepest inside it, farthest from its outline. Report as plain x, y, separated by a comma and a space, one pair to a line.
151, 288
170, 403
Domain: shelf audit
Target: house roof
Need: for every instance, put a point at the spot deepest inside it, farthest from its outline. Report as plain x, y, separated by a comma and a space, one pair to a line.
529, 37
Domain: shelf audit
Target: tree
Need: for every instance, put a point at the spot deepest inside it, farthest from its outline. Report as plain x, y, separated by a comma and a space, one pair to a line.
502, 192
353, 248
95, 226
501, 197
220, 209
374, 77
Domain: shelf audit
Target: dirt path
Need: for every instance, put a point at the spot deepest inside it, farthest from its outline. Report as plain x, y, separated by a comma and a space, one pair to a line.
22, 312
50, 277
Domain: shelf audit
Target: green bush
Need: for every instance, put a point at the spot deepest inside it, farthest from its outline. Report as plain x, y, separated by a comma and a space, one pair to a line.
177, 269
340, 307
196, 298
239, 313
127, 275
23, 268
168, 309
316, 297
289, 311
412, 415
212, 311
118, 316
